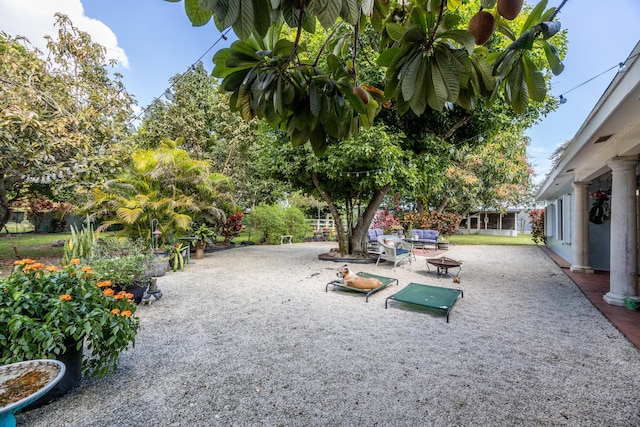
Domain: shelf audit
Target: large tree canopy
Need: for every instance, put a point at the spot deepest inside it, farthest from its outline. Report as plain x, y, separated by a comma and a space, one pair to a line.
428, 54
196, 113
59, 116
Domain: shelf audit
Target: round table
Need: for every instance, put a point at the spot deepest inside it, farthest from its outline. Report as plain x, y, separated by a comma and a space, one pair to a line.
23, 383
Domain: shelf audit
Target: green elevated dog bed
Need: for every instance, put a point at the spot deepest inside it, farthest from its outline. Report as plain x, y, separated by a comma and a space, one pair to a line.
427, 296
386, 281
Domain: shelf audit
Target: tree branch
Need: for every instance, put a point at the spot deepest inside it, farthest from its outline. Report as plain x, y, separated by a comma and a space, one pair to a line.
461, 122
294, 51
326, 42
432, 37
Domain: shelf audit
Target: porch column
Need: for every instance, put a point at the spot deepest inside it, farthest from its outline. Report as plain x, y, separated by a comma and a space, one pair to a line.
623, 280
581, 228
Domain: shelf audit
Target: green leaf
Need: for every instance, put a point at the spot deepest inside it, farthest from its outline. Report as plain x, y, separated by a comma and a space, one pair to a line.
516, 88
432, 97
549, 29
318, 139
448, 73
350, 11
463, 37
418, 102
315, 101
504, 29
395, 31
261, 18
534, 16
226, 12
410, 71
243, 26
535, 80
327, 11
197, 16
414, 35
385, 58
553, 57
488, 4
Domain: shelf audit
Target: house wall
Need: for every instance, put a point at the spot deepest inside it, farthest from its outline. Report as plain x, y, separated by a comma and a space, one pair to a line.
559, 222
599, 234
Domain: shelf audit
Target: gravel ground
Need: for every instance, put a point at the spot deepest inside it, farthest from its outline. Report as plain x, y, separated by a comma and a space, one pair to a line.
249, 337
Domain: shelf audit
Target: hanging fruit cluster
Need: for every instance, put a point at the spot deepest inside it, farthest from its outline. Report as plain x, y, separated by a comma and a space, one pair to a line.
483, 24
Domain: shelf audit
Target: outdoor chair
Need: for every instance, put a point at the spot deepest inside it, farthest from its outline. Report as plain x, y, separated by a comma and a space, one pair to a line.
427, 296
386, 281
394, 249
424, 237
372, 245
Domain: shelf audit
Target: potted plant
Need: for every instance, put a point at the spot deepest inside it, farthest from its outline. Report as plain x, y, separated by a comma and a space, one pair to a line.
127, 272
443, 243
204, 234
51, 312
177, 253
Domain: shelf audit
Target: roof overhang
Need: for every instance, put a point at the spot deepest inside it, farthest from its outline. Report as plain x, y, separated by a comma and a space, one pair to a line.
612, 129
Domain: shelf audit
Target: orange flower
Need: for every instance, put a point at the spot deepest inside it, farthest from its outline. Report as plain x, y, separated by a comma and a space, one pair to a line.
23, 261
128, 295
87, 270
104, 284
116, 311
119, 296
52, 268
108, 292
35, 266
65, 297
126, 313
75, 261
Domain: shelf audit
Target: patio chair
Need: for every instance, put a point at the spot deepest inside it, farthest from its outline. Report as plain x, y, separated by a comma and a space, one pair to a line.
386, 281
394, 249
427, 296
372, 244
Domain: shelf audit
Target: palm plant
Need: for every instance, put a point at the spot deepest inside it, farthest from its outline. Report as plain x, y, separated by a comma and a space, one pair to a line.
164, 184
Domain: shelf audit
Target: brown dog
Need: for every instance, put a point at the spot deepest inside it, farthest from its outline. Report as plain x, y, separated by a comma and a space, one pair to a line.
352, 280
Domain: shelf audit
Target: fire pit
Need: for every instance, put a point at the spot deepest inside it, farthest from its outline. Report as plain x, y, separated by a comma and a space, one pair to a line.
443, 264
25, 382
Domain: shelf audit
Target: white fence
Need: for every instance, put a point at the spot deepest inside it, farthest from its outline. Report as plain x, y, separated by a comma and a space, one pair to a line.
321, 224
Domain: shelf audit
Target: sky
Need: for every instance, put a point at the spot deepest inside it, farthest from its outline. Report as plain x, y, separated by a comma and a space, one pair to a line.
153, 40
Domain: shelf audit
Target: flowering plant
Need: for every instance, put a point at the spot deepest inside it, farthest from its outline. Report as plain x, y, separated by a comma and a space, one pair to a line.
42, 306
600, 195
385, 220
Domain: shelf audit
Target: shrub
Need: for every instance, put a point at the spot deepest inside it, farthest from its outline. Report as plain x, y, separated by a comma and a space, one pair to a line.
42, 307
275, 221
387, 222
537, 226
295, 223
446, 223
233, 227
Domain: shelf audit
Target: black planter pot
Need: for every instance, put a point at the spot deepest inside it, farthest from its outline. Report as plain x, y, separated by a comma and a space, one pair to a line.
72, 359
137, 291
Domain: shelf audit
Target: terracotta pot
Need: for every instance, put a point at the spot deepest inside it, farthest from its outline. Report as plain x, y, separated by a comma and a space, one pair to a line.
200, 251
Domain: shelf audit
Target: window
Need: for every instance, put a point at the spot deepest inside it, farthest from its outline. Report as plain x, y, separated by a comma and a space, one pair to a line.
566, 219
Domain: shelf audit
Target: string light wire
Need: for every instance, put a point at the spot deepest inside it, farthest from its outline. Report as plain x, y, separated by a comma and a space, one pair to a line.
223, 36
621, 66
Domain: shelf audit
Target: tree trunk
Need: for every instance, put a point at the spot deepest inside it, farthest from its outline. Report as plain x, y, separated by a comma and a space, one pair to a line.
352, 239
442, 205
4, 202
359, 235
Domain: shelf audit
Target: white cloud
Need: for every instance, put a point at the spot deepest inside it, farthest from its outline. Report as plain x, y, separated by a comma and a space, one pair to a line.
34, 19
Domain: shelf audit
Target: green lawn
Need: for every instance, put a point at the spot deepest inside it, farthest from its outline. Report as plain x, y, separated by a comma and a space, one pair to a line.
480, 239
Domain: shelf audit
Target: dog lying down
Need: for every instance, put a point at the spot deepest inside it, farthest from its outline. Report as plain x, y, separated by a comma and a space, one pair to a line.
354, 281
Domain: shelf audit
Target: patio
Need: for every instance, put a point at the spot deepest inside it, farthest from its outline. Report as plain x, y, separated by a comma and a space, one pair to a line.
239, 339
